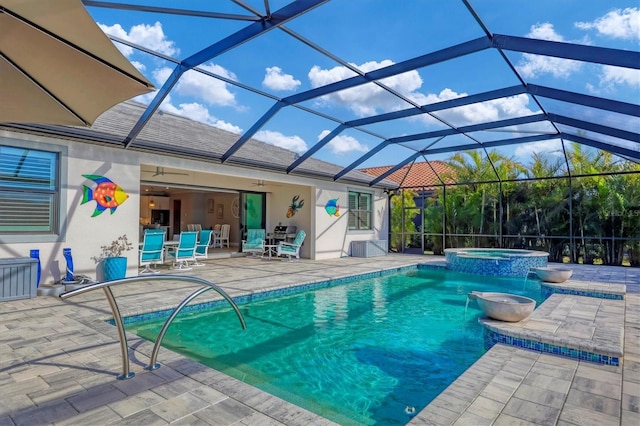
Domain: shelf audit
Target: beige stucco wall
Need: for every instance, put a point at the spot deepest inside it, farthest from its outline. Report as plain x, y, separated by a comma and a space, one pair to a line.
327, 236
333, 239
84, 234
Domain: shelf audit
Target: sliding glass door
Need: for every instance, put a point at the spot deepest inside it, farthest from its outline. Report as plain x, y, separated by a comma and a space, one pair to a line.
252, 212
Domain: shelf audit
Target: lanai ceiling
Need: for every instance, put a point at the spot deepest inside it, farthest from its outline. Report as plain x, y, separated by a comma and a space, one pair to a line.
355, 99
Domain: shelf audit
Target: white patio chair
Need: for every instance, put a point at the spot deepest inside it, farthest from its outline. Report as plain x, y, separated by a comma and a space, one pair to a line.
293, 248
224, 234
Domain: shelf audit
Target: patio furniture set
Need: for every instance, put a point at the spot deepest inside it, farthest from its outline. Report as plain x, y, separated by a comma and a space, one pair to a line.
256, 243
193, 245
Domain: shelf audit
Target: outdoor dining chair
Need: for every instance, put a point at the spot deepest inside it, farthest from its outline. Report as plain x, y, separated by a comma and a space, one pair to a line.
202, 247
224, 235
254, 243
185, 252
152, 251
293, 248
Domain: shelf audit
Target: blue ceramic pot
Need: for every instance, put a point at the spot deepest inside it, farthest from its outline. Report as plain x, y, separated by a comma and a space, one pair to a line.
115, 268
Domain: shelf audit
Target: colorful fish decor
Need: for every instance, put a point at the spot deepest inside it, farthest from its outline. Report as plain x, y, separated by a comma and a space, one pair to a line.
107, 194
332, 208
295, 206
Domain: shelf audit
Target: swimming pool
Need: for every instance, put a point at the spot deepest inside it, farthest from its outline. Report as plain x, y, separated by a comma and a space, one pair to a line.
372, 351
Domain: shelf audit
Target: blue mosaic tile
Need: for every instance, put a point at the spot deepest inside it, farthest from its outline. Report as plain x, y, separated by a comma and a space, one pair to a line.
547, 291
492, 337
242, 300
509, 265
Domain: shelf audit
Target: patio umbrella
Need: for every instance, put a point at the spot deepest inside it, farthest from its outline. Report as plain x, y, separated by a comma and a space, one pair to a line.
57, 66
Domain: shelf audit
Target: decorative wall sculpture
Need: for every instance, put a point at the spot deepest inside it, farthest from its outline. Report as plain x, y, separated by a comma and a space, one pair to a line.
107, 194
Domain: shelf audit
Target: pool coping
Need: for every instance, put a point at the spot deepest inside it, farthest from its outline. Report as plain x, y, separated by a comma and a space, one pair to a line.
579, 327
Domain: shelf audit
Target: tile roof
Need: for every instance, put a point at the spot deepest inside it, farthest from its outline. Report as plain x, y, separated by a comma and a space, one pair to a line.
416, 175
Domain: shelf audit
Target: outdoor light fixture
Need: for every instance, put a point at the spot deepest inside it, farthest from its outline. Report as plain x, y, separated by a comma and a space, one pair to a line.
151, 203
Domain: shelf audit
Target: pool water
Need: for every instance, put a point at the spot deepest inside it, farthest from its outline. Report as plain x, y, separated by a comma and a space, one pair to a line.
374, 351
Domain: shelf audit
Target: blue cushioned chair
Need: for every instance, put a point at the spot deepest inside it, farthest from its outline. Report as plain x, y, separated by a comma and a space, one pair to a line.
293, 248
152, 251
255, 242
202, 248
185, 252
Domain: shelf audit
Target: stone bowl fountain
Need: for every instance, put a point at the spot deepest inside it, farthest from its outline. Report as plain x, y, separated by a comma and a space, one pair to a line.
553, 274
504, 306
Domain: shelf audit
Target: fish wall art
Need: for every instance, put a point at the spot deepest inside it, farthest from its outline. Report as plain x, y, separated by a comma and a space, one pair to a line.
295, 206
107, 195
332, 207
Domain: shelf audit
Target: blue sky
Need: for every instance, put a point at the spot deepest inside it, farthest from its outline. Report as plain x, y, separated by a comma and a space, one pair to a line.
371, 34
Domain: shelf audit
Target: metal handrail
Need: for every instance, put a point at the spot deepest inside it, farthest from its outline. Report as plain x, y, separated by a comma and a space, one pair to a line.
106, 286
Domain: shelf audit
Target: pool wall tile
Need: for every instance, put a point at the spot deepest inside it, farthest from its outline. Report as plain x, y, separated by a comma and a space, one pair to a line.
511, 265
244, 299
547, 291
491, 338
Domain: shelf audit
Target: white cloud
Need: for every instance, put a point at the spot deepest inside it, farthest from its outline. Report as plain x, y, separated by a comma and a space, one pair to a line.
209, 89
617, 75
532, 66
493, 110
274, 79
139, 65
198, 112
551, 147
619, 23
343, 144
292, 143
193, 110
150, 36
367, 99
201, 86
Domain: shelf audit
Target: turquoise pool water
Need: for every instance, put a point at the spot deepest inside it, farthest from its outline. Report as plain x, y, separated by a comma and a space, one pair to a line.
374, 351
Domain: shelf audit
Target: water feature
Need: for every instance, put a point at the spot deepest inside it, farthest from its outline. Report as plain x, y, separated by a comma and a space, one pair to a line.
374, 351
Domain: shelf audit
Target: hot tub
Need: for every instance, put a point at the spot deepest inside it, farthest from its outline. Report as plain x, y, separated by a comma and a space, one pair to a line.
496, 262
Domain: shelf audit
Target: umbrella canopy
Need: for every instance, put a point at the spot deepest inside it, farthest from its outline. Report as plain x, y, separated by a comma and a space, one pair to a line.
57, 66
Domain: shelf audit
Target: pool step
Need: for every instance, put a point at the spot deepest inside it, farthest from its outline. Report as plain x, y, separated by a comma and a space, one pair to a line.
577, 327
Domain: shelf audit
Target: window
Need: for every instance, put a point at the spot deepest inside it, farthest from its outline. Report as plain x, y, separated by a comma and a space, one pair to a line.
29, 191
359, 211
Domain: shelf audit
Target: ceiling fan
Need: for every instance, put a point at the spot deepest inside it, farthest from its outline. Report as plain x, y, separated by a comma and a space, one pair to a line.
159, 171
260, 184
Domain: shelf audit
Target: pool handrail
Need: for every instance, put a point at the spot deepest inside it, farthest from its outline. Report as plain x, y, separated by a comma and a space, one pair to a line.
106, 286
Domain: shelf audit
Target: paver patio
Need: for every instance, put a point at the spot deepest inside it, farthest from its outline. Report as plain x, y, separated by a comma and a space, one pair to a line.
59, 361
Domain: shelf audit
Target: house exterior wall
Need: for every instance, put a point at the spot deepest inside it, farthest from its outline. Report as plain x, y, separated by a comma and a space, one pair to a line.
327, 236
81, 232
333, 237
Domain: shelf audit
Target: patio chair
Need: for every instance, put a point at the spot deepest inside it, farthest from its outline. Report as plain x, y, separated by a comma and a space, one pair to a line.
254, 243
185, 252
293, 248
202, 247
152, 250
224, 235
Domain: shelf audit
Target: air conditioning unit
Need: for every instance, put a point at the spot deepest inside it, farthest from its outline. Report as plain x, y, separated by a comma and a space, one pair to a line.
369, 248
18, 278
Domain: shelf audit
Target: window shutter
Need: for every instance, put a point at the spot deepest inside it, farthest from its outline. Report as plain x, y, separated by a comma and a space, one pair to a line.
28, 190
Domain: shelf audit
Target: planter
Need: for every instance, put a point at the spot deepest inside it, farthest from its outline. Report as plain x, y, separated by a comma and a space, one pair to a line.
115, 268
504, 306
554, 274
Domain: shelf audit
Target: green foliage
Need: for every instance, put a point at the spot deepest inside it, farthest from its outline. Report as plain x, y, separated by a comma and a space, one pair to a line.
602, 206
400, 205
